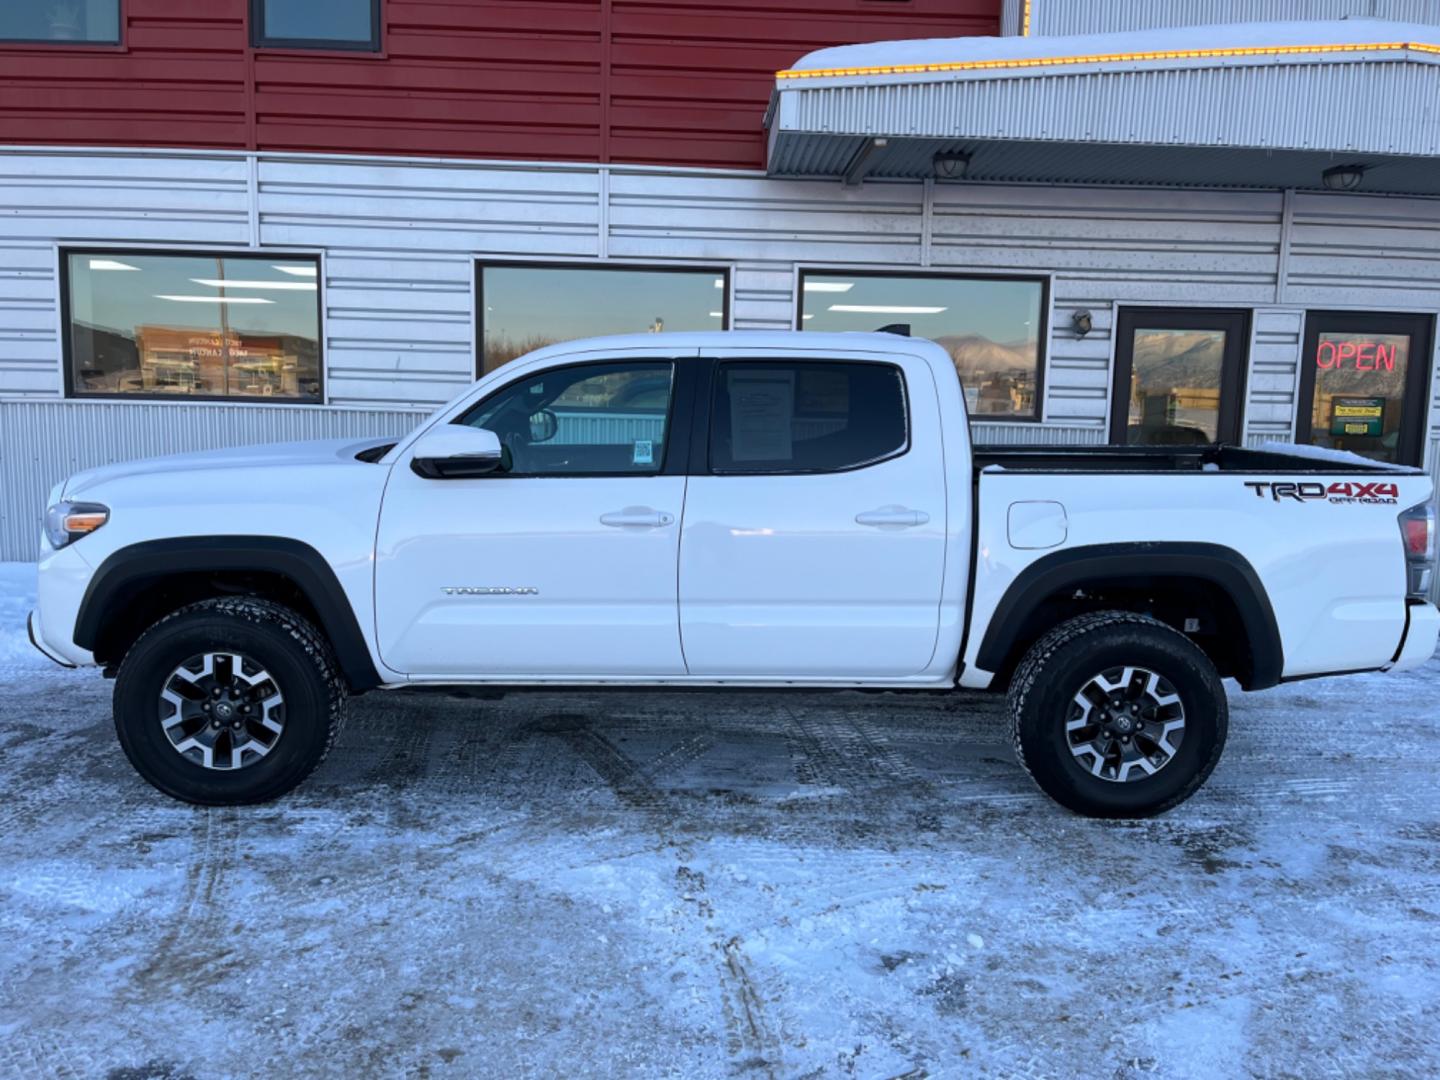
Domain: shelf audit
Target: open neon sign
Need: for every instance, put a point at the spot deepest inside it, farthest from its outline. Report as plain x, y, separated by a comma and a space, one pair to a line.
1356, 355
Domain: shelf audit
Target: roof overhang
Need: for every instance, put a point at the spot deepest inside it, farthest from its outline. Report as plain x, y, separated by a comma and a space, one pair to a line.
1247, 105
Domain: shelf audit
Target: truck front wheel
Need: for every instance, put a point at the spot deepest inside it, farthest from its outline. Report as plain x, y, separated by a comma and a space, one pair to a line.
228, 701
1117, 715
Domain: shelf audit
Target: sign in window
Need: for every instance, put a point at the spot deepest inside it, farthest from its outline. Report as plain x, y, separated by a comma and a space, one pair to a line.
1363, 384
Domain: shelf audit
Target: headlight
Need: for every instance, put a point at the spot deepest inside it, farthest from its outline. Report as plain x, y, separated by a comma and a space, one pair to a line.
66, 522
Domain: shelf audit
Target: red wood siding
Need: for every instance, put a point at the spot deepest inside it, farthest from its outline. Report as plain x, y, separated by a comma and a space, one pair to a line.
683, 82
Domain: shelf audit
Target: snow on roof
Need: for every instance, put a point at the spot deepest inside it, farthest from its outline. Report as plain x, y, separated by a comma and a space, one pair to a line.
1340, 35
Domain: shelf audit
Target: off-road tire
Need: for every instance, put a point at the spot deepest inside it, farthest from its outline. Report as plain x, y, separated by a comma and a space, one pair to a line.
1060, 663
286, 644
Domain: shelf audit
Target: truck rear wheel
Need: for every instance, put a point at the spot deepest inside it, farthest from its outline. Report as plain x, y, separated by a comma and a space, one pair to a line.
228, 701
1117, 715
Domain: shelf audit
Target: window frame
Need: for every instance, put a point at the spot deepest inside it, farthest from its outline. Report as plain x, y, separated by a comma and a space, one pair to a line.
260, 40
1235, 363
481, 265
679, 416
1414, 413
117, 45
716, 366
1042, 340
67, 344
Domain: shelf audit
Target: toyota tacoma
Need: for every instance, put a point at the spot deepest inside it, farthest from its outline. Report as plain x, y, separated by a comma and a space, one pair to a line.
729, 509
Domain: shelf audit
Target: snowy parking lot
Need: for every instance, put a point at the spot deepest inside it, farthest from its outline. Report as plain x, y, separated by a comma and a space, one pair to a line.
707, 884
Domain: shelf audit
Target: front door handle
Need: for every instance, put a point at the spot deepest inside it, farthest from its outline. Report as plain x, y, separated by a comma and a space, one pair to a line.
893, 516
637, 517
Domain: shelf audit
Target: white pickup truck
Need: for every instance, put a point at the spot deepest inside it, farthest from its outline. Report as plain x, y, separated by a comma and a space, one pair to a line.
728, 509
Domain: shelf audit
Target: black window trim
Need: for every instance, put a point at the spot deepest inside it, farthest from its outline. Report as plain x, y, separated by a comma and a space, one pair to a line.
1235, 363
717, 363
67, 345
1042, 341
679, 413
1414, 412
79, 43
260, 40
481, 264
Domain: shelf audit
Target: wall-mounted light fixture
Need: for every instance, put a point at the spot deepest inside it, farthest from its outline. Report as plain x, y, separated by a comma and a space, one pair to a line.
1083, 322
1344, 177
951, 164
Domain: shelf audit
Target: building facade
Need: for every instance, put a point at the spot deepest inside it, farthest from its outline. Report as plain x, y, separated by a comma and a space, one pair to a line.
251, 224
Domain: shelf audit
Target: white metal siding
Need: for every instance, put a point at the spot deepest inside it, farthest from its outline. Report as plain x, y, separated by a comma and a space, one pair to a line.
1272, 382
43, 442
1053, 17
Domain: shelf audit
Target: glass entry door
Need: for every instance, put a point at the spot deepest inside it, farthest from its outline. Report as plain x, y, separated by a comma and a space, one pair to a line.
1178, 376
1363, 383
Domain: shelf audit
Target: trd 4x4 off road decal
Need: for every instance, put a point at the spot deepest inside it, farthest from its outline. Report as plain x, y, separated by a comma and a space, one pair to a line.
1374, 492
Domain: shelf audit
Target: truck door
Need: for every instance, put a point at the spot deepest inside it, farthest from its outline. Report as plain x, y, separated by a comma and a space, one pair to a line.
814, 536
564, 561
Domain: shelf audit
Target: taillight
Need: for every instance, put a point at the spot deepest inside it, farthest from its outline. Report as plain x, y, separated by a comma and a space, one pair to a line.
1417, 529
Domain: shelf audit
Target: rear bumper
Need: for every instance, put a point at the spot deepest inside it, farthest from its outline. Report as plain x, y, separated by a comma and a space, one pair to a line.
1422, 631
32, 627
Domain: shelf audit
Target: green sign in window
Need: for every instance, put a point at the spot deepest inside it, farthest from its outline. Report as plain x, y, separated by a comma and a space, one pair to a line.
1358, 416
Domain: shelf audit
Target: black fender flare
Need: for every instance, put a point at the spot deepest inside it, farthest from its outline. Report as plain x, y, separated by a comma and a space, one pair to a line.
1075, 568
129, 569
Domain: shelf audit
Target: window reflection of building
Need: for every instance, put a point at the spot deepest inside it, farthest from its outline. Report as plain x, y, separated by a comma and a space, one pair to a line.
188, 361
184, 360
163, 325
1175, 386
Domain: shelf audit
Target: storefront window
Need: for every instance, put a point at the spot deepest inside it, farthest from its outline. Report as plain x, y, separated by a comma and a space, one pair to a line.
1363, 384
991, 327
1177, 376
526, 307
316, 24
202, 326
88, 22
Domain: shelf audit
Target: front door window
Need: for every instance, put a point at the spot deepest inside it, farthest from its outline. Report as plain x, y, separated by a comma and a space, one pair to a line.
1363, 384
1177, 376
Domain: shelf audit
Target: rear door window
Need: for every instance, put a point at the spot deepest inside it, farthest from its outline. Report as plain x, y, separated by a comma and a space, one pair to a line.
777, 416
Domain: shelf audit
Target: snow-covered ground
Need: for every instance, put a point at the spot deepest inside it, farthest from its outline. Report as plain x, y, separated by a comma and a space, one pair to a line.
700, 884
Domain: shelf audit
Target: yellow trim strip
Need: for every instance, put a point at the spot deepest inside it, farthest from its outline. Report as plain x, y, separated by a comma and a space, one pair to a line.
1025, 21
1107, 58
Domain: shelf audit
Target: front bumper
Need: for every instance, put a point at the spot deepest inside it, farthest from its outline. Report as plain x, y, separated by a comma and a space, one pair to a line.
37, 639
1422, 631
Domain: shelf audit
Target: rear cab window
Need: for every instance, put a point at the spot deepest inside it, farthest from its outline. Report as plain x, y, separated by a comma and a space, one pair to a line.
806, 416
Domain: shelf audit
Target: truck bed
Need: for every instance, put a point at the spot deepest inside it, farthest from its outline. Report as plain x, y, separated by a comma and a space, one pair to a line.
1150, 459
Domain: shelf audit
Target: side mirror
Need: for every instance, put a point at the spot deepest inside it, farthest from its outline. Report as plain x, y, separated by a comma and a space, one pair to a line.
544, 425
456, 452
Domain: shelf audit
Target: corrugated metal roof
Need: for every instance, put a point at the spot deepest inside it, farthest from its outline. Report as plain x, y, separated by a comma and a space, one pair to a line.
1266, 116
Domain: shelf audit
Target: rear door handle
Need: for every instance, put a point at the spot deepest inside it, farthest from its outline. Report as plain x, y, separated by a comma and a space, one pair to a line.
893, 516
637, 517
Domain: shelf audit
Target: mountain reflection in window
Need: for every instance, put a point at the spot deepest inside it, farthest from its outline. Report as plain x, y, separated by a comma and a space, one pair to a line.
991, 327
1175, 387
